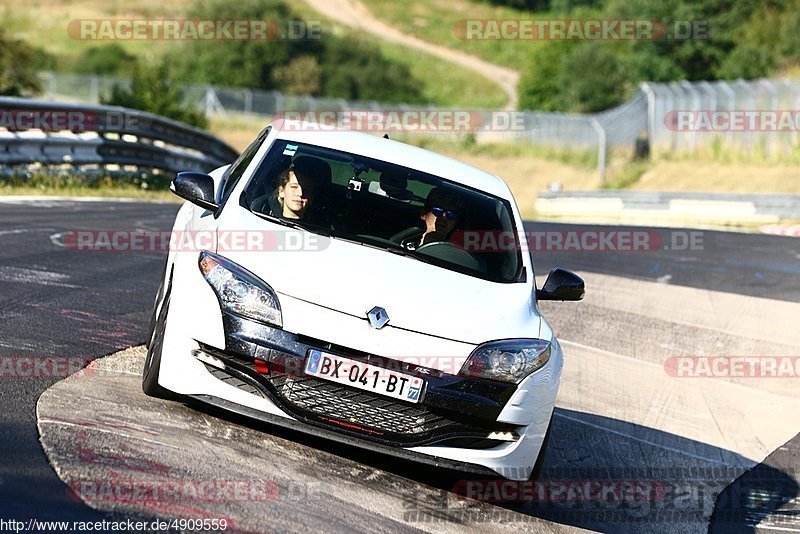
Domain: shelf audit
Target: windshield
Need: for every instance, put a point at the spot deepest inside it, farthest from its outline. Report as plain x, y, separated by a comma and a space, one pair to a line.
379, 204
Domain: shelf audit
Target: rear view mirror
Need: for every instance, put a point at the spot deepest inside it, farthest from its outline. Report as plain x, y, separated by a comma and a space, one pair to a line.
561, 285
197, 188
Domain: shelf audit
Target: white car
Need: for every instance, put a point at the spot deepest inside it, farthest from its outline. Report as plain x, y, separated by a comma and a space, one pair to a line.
365, 291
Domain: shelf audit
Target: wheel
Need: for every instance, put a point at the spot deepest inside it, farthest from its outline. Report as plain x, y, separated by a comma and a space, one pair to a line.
153, 316
155, 346
537, 467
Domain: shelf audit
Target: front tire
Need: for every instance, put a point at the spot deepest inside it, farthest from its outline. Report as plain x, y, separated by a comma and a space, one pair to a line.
537, 467
155, 347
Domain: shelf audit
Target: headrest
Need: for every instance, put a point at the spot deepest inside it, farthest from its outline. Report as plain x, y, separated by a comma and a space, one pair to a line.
395, 186
314, 169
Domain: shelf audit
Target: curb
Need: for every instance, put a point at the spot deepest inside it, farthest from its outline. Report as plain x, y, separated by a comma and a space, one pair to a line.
670, 208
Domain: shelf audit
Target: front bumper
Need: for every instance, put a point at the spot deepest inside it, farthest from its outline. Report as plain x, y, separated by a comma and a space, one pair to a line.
269, 362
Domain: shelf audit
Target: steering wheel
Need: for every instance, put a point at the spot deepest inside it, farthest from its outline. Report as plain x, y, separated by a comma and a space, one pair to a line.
444, 250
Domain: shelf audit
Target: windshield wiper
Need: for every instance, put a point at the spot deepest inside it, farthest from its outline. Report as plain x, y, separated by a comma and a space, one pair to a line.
294, 223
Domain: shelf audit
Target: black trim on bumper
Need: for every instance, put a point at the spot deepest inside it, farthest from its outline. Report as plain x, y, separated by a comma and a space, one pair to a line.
467, 399
451, 406
341, 438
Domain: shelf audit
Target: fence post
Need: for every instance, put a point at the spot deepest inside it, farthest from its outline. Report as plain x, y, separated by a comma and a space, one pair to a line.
94, 89
651, 113
696, 106
796, 105
773, 104
751, 99
248, 101
731, 94
601, 150
212, 103
51, 84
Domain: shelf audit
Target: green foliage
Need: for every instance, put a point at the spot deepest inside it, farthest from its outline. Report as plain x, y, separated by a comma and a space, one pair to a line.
532, 5
18, 62
593, 79
110, 59
725, 39
152, 89
88, 182
330, 66
243, 63
539, 84
628, 175
301, 76
355, 69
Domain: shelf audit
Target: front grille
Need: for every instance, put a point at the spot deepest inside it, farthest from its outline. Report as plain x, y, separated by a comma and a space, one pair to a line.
360, 407
347, 409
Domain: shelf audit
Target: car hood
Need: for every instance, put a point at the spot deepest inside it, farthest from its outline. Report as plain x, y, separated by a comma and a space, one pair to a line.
352, 279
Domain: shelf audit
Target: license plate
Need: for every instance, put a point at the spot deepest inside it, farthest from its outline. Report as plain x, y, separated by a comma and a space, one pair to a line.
364, 376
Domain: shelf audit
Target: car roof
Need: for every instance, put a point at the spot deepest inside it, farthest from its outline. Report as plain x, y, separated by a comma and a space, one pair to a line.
395, 152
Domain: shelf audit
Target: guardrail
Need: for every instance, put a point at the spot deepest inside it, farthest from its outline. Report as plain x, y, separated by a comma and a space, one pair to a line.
55, 133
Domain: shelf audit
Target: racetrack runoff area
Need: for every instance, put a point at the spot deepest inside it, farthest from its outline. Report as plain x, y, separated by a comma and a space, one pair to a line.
622, 415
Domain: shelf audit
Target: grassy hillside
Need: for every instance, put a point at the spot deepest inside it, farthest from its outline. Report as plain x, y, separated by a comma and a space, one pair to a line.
435, 20
43, 24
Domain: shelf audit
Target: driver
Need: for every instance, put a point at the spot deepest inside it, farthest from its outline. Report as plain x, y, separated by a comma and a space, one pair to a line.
440, 214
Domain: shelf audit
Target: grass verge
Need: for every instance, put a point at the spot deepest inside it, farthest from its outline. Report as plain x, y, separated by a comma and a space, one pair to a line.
61, 183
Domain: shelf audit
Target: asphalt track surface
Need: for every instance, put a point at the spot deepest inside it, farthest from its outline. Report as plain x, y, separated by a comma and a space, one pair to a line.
58, 302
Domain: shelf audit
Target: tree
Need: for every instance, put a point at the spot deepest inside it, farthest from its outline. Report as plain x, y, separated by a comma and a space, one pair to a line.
239, 63
331, 66
540, 85
356, 69
152, 89
18, 63
591, 79
301, 76
105, 59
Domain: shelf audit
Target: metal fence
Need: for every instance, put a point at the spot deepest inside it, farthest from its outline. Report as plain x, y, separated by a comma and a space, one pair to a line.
744, 115
665, 117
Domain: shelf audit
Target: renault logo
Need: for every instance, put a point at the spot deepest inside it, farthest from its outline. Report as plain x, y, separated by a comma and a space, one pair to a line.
377, 317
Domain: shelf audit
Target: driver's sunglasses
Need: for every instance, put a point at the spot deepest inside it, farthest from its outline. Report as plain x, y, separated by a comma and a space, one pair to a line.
448, 214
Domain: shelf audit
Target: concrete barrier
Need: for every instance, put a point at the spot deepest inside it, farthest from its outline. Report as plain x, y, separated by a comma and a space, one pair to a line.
669, 208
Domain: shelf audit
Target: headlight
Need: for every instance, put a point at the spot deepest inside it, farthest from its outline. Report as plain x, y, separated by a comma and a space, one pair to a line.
240, 291
509, 360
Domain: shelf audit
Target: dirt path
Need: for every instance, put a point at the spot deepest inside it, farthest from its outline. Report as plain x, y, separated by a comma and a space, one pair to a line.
354, 14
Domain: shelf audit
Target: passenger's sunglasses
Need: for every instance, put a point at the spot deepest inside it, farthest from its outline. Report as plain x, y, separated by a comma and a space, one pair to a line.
447, 214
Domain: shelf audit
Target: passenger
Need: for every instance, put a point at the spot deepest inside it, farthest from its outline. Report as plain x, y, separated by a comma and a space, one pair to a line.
440, 215
295, 192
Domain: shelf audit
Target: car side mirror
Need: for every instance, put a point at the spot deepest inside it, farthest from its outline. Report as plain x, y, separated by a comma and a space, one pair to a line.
196, 187
561, 285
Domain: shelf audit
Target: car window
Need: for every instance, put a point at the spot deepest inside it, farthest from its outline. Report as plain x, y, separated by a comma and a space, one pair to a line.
236, 170
402, 210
